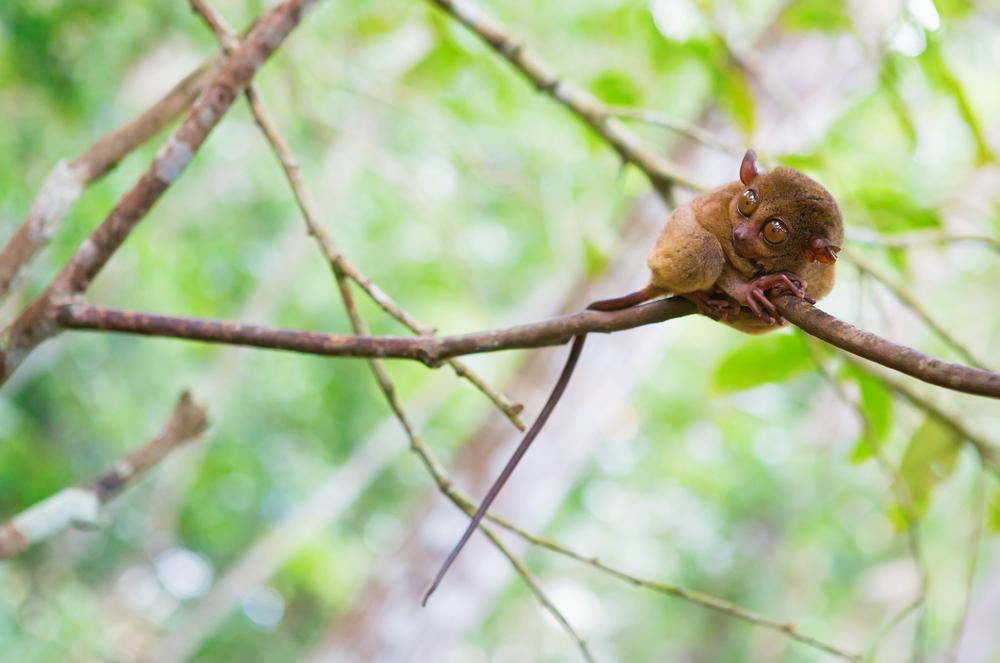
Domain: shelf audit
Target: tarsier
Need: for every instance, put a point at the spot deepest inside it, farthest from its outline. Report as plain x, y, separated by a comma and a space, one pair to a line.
728, 251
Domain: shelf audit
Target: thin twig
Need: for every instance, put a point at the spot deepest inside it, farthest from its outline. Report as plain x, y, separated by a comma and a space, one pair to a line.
336, 260
661, 171
907, 300
310, 213
689, 129
976, 542
536, 589
81, 505
921, 239
888, 628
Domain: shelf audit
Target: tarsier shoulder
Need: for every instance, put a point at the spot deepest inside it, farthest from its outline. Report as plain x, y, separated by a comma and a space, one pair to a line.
731, 249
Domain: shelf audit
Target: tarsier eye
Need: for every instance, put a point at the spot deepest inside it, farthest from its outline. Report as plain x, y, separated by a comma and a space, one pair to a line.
775, 231
747, 202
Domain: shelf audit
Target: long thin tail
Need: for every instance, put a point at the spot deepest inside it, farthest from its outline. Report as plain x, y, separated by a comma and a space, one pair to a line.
574, 354
557, 392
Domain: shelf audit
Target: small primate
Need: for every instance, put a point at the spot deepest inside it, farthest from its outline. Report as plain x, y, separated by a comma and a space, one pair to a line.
728, 251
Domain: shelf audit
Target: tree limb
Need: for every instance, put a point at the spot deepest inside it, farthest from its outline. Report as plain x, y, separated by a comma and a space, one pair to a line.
82, 504
36, 323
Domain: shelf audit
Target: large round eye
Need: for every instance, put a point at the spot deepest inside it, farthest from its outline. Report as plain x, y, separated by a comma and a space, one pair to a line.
775, 231
747, 202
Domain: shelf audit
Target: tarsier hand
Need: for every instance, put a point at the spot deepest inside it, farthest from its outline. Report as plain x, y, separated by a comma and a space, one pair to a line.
754, 294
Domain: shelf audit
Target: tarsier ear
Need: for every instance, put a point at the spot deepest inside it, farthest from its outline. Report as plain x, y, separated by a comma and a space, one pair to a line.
748, 169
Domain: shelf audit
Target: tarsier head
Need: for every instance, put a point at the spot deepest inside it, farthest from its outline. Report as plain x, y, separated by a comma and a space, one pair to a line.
783, 218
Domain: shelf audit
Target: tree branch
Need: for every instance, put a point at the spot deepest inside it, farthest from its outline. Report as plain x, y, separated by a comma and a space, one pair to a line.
68, 178
881, 351
36, 324
660, 170
342, 269
430, 350
82, 504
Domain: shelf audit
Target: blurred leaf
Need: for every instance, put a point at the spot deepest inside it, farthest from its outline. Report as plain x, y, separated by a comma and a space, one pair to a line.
773, 358
929, 459
953, 8
941, 76
734, 94
993, 513
876, 404
888, 78
803, 162
597, 259
892, 212
616, 88
825, 15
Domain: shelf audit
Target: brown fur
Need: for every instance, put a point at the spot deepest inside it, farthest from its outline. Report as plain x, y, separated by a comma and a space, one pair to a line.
698, 251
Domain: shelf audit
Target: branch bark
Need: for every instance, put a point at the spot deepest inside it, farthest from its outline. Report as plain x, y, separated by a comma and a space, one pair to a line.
36, 323
891, 355
68, 178
82, 504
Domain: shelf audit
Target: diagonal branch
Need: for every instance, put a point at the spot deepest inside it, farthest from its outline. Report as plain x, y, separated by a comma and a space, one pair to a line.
891, 355
660, 170
82, 504
865, 268
36, 323
68, 178
341, 267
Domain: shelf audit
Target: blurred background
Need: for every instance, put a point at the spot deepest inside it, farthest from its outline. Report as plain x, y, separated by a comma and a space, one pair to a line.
302, 528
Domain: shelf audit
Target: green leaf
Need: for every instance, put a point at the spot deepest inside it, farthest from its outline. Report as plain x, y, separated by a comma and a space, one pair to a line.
616, 88
734, 94
929, 459
825, 15
953, 8
993, 513
892, 212
876, 404
942, 77
596, 258
774, 358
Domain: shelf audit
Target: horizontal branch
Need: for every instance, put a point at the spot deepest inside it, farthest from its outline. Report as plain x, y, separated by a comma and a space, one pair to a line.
430, 350
82, 504
891, 355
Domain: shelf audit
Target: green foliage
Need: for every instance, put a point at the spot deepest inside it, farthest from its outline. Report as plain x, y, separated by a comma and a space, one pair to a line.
616, 88
892, 211
876, 406
929, 460
825, 15
940, 75
772, 358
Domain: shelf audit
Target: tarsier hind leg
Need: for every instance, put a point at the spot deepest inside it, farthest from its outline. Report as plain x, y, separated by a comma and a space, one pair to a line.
638, 297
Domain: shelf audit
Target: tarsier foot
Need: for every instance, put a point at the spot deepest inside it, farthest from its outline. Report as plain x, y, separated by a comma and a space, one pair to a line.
717, 309
756, 294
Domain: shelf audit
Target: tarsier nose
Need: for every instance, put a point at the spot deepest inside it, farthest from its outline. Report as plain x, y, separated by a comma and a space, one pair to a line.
741, 233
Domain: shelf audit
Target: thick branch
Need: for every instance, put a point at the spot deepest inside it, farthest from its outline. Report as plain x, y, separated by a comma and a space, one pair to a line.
430, 350
881, 351
35, 324
82, 504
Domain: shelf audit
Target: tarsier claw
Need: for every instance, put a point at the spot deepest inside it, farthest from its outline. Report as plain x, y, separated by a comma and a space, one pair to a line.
717, 309
757, 289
